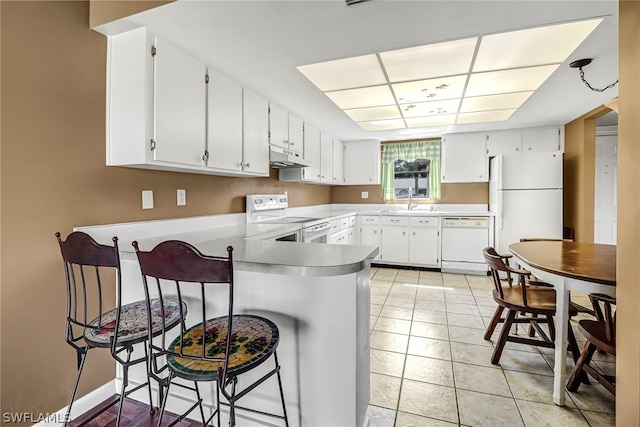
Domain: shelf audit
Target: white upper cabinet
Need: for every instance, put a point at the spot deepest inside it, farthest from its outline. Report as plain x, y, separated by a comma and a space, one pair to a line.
543, 139
504, 142
255, 127
362, 162
162, 114
464, 158
285, 129
224, 124
326, 158
180, 105
338, 160
312, 153
547, 138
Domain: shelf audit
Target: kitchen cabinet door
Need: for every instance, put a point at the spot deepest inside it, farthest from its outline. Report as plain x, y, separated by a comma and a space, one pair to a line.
255, 134
224, 125
504, 142
296, 134
338, 155
362, 162
541, 139
312, 153
326, 158
423, 247
180, 106
395, 244
464, 158
370, 236
278, 126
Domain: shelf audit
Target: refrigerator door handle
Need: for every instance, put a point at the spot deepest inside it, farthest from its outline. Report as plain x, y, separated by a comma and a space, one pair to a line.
500, 211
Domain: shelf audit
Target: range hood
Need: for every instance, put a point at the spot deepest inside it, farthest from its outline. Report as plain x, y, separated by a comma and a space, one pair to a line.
281, 158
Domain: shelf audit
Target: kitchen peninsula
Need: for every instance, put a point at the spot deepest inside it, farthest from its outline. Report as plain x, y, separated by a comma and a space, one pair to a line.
318, 295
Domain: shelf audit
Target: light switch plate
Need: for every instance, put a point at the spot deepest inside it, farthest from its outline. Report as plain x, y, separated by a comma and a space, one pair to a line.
365, 195
147, 199
181, 197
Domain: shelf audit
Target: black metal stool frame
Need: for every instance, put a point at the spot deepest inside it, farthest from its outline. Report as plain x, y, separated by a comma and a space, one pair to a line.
80, 253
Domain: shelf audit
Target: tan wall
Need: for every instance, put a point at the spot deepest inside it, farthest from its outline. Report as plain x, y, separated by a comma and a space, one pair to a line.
628, 253
103, 11
451, 194
54, 177
580, 174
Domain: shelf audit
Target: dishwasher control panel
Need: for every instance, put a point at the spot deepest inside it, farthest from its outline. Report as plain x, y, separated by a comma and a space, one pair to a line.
465, 222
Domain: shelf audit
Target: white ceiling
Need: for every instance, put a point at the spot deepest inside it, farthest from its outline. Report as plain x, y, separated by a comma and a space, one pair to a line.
260, 44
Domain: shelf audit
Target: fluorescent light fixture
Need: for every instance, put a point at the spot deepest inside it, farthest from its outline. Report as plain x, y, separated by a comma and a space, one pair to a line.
485, 116
382, 124
421, 109
444, 83
376, 96
345, 73
434, 60
374, 113
494, 102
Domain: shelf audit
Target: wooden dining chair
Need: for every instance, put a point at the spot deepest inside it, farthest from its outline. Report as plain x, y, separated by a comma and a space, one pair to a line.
220, 348
600, 335
89, 269
524, 304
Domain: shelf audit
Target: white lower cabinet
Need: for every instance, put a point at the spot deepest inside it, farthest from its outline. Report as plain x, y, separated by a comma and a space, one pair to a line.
403, 240
394, 239
424, 242
370, 232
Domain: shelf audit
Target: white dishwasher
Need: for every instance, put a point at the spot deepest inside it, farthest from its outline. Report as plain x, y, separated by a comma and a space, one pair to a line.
463, 239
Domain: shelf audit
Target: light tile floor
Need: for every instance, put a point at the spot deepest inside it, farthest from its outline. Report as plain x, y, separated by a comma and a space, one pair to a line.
430, 365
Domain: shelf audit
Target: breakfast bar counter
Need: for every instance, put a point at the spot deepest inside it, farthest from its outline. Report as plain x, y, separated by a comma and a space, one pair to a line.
317, 294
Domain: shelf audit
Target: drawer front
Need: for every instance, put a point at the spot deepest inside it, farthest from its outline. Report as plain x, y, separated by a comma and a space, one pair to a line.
369, 219
344, 223
335, 225
425, 221
352, 221
395, 220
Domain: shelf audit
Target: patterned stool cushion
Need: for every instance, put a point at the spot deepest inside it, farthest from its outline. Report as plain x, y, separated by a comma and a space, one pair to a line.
133, 322
254, 339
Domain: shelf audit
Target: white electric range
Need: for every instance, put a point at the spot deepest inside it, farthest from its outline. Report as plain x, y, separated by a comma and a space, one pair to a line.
272, 209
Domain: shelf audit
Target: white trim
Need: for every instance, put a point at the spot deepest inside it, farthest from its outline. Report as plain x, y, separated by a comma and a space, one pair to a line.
82, 405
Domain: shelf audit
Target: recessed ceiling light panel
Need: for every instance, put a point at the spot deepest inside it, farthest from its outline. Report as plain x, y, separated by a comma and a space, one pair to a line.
484, 116
419, 122
494, 102
376, 96
534, 46
425, 62
382, 125
374, 113
430, 90
345, 73
435, 108
507, 81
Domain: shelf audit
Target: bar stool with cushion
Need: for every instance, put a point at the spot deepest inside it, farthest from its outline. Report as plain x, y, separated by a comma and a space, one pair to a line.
600, 335
89, 267
218, 349
528, 301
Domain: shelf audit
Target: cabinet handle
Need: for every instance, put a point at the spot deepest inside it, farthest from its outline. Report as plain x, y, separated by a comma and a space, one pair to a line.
414, 233
404, 233
205, 156
292, 143
248, 165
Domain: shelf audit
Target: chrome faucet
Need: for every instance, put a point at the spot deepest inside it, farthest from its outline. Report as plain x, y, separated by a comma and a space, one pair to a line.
409, 205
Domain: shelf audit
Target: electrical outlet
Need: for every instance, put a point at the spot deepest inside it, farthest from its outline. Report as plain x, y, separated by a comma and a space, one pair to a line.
181, 197
365, 195
147, 199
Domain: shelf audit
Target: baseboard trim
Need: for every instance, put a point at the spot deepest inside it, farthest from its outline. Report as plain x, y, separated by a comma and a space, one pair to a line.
82, 405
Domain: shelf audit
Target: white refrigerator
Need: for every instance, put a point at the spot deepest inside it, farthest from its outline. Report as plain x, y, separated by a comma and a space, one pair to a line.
525, 194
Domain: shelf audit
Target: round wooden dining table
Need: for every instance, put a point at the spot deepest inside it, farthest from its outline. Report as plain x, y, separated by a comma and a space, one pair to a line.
568, 266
